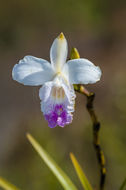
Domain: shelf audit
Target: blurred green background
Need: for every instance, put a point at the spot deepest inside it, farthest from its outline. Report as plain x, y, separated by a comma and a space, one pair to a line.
98, 29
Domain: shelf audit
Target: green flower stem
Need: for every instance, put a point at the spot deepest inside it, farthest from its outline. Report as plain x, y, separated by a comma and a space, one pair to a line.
96, 124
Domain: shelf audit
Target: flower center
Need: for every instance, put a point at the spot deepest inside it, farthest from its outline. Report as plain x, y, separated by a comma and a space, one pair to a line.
58, 92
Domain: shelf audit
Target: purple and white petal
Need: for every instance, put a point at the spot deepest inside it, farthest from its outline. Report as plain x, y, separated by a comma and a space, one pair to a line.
33, 71
82, 71
57, 102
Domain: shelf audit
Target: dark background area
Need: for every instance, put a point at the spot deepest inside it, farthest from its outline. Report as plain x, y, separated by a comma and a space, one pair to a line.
98, 30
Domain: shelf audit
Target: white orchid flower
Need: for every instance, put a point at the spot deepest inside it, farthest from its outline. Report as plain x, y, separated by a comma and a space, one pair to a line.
57, 93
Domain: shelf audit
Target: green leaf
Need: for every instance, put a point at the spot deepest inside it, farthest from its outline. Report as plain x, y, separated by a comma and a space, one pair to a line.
83, 179
123, 185
57, 171
6, 185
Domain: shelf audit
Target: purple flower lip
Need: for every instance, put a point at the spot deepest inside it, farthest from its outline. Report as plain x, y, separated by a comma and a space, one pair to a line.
58, 116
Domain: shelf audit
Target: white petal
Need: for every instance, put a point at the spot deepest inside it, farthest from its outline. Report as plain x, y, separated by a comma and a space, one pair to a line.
32, 71
82, 71
58, 52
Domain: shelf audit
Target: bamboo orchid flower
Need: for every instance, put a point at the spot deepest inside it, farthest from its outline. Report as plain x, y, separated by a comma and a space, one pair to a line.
57, 78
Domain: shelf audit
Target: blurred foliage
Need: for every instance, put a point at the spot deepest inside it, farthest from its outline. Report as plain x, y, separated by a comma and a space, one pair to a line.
61, 176
19, 17
123, 185
6, 185
82, 177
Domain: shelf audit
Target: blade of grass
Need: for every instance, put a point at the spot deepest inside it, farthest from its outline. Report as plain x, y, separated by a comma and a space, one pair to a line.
82, 177
57, 171
6, 185
123, 185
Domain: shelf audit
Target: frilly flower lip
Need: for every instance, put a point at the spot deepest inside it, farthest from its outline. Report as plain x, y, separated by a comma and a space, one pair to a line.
57, 78
58, 116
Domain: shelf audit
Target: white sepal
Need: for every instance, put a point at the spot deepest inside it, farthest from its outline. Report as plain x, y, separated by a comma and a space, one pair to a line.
58, 52
82, 71
33, 71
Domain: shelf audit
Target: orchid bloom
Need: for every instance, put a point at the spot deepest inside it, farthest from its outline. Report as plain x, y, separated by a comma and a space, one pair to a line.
57, 93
